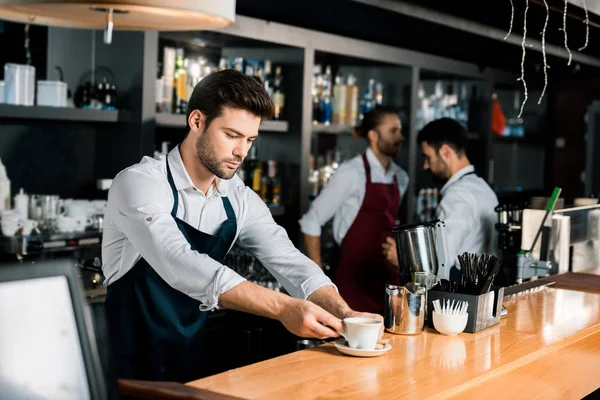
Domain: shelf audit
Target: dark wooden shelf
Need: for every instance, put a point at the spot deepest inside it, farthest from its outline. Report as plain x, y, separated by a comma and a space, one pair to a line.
337, 129
11, 112
534, 140
166, 120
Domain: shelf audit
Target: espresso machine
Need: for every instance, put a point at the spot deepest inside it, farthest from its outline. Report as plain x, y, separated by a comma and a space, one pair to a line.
538, 243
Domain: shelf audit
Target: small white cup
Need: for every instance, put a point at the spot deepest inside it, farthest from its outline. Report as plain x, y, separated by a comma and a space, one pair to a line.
362, 333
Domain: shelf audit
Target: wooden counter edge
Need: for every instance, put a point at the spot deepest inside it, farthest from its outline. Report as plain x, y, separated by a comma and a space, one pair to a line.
151, 390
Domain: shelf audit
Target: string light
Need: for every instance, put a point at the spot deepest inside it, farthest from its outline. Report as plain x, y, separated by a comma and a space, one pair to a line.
565, 32
512, 17
544, 53
587, 27
522, 78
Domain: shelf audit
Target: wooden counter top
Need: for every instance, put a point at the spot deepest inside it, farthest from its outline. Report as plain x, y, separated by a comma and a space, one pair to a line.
548, 346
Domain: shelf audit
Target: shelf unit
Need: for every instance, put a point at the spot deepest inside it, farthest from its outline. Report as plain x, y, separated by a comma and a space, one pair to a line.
12, 112
135, 72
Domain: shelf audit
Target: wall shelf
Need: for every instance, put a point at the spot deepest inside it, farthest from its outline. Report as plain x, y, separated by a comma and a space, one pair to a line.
337, 129
166, 120
8, 111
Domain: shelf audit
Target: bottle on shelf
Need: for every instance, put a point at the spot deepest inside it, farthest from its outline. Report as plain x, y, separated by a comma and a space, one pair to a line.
351, 100
278, 95
378, 93
368, 102
180, 84
268, 78
339, 101
326, 101
316, 91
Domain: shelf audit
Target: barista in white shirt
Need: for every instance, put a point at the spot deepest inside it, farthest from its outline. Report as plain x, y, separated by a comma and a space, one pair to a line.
171, 221
467, 201
363, 197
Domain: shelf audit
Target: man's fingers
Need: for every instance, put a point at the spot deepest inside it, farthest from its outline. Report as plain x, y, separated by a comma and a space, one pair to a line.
328, 319
321, 331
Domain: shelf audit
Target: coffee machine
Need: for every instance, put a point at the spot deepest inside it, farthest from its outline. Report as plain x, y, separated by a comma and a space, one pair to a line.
538, 243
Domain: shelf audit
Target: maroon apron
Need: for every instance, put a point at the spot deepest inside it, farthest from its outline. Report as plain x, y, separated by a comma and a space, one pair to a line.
363, 270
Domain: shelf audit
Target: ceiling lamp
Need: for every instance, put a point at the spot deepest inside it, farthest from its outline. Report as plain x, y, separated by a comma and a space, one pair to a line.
138, 15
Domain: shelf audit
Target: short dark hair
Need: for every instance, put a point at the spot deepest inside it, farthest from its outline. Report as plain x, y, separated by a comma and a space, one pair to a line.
371, 120
444, 131
232, 89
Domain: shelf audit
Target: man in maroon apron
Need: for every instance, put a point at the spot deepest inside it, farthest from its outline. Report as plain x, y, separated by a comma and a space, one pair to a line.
363, 197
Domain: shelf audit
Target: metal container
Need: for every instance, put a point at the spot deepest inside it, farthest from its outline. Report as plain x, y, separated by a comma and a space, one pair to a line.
421, 248
405, 311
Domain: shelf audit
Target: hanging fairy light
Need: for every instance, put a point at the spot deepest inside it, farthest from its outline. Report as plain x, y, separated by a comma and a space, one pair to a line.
544, 53
523, 47
512, 17
565, 32
587, 27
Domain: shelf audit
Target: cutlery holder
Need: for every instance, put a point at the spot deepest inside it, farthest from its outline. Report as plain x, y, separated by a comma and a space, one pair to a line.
484, 310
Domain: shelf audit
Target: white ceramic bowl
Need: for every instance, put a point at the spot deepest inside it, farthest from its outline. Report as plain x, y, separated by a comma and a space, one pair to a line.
448, 324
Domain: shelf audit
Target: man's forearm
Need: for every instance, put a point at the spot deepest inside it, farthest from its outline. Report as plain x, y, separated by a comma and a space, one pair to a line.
250, 298
329, 299
312, 244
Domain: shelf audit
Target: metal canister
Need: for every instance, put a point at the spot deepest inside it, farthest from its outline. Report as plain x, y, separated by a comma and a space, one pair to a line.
404, 312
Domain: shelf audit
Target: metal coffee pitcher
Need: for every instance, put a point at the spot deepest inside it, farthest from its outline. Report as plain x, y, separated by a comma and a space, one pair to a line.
405, 309
422, 248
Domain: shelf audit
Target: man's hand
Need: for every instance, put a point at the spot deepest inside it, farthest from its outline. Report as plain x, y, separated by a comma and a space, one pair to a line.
389, 251
306, 319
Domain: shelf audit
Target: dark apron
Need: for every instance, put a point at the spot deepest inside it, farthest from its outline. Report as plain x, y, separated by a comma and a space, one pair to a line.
156, 331
363, 270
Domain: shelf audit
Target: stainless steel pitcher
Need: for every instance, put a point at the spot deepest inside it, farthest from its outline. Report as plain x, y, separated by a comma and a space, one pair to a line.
422, 248
404, 312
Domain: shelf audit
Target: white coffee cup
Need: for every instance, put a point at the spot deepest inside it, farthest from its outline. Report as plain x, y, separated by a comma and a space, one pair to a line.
362, 333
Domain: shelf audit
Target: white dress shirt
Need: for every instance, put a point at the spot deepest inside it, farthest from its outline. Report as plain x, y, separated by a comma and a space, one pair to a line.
344, 195
138, 223
467, 208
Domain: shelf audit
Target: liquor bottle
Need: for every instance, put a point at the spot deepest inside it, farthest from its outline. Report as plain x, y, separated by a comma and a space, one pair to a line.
278, 95
268, 78
181, 84
339, 101
368, 102
326, 103
378, 93
351, 100
316, 94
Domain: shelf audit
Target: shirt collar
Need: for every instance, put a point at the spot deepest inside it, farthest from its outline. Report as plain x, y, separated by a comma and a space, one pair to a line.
459, 174
182, 179
375, 164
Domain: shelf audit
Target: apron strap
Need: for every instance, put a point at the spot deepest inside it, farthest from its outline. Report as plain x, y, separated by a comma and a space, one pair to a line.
172, 184
367, 167
228, 208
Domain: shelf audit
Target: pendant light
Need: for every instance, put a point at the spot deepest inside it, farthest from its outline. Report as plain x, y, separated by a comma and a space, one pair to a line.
160, 15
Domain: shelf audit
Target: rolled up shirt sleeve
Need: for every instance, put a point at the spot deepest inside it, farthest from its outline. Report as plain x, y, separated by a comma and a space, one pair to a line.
143, 204
270, 244
324, 207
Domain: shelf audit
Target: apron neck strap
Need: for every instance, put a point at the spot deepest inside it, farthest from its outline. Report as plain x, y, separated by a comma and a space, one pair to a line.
226, 202
172, 184
228, 208
367, 167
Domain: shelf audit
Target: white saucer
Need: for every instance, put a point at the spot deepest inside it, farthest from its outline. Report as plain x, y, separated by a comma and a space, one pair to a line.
341, 346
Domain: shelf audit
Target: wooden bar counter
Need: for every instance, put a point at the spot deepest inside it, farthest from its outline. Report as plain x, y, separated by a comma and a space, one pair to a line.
547, 347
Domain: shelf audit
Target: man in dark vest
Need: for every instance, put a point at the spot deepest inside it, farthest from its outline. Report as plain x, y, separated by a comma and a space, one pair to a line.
170, 222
